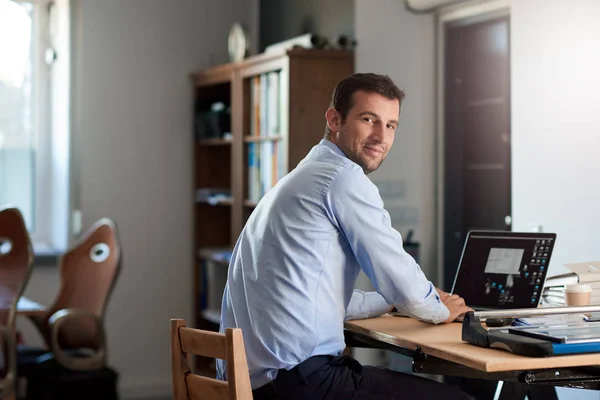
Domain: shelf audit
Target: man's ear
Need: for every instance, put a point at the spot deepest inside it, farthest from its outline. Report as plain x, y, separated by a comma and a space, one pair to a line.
334, 119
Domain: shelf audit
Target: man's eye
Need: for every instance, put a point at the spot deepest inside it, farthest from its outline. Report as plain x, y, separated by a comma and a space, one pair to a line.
369, 119
392, 127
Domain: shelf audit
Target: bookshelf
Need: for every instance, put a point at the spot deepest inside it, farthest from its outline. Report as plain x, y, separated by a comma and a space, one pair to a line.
270, 112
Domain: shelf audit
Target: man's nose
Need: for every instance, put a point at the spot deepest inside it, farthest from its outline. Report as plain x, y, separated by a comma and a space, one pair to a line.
378, 134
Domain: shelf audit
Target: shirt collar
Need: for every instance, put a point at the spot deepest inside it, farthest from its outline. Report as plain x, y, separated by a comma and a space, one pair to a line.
332, 147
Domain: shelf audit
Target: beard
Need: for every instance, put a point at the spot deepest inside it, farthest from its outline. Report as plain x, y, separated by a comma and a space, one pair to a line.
367, 172
368, 164
368, 169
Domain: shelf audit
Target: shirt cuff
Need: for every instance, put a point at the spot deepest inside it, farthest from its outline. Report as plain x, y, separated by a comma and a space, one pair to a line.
431, 309
366, 305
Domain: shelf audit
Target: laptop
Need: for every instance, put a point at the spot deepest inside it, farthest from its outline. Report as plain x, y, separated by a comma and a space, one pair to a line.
503, 270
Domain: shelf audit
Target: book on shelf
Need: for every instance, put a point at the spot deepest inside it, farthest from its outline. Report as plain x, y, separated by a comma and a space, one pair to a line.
213, 280
265, 161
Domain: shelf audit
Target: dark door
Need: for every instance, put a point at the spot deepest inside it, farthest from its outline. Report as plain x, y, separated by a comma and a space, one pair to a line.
477, 134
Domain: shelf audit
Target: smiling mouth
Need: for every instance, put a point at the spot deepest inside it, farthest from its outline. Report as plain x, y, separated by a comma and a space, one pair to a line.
373, 150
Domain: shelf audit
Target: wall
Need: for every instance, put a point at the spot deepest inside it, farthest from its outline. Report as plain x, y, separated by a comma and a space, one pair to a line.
282, 20
393, 41
556, 124
132, 162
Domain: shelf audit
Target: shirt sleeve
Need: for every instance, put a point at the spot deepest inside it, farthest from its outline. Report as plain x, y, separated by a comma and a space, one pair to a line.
357, 210
366, 305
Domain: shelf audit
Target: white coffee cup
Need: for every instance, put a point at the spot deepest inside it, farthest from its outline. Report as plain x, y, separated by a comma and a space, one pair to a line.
578, 294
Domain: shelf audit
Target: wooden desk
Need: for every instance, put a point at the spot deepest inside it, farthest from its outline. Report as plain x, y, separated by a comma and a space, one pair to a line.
438, 349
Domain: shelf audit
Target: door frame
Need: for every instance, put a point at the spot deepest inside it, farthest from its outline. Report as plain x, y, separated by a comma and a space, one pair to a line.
468, 12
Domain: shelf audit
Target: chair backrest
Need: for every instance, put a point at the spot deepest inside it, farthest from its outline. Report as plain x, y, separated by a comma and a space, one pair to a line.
16, 262
229, 346
88, 272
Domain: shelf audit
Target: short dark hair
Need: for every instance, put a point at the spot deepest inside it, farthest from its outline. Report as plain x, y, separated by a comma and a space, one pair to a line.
341, 99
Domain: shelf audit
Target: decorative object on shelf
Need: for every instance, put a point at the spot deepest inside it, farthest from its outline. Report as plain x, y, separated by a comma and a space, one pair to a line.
307, 41
213, 196
313, 41
215, 122
345, 42
239, 43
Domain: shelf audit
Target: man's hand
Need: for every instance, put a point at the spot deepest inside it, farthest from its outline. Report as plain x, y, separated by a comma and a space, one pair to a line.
443, 295
456, 305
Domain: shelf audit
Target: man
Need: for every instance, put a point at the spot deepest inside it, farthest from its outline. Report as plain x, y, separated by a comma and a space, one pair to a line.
294, 266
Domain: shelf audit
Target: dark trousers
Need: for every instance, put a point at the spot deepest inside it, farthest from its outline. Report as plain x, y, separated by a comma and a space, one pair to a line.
328, 377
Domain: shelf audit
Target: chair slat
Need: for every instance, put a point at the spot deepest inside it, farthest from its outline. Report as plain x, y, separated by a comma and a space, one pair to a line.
179, 364
207, 344
201, 387
237, 367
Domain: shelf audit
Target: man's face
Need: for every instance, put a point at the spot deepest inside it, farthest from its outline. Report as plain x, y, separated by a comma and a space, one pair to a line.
367, 134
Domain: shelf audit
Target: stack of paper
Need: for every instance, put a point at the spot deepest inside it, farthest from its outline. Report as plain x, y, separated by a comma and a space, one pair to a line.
589, 272
553, 293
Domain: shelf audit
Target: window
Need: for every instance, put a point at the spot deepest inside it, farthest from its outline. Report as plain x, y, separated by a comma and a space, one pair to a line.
34, 117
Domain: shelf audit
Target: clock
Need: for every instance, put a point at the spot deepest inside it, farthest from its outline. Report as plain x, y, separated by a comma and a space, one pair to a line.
238, 43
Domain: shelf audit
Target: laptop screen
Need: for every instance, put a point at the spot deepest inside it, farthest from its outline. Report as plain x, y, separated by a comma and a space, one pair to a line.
503, 269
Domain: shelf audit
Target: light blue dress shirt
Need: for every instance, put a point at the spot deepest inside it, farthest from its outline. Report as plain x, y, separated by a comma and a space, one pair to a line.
293, 269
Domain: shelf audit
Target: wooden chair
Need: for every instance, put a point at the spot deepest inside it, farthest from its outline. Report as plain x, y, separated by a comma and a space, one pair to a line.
73, 327
16, 261
229, 346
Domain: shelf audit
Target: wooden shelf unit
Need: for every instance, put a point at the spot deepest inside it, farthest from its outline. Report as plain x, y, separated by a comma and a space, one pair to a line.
305, 80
